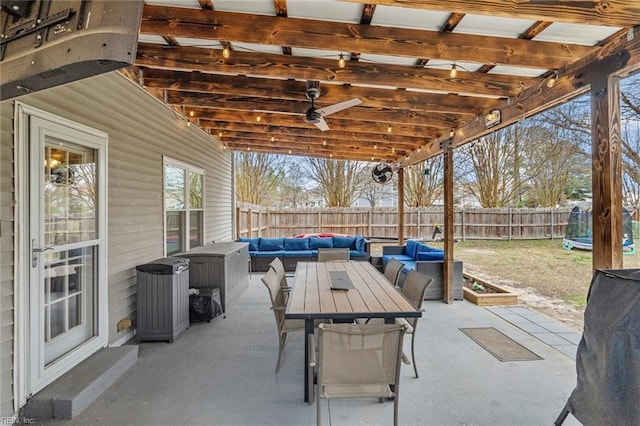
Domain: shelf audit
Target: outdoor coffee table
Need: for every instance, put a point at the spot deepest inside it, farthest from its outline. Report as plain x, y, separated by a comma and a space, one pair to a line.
372, 296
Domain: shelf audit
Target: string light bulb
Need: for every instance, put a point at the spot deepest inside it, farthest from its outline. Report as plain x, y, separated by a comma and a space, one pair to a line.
341, 61
389, 129
226, 52
272, 139
454, 71
324, 143
258, 118
220, 134
191, 113
452, 133
289, 151
375, 146
330, 155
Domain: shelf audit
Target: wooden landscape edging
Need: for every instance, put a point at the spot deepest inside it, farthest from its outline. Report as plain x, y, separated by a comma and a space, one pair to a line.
503, 297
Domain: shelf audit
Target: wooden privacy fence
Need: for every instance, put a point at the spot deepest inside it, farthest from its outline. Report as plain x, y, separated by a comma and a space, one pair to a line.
477, 223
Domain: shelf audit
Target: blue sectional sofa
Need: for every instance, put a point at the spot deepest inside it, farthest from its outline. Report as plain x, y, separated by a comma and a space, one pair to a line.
293, 250
429, 261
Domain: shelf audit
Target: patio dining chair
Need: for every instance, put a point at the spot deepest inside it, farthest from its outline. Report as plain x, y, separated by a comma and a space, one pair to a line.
392, 271
277, 265
332, 254
358, 361
414, 287
278, 304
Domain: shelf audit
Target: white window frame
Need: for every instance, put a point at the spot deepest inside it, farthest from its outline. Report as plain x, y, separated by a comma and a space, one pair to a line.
189, 168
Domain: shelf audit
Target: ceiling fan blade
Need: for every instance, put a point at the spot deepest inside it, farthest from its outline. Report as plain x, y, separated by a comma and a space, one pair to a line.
268, 111
339, 106
322, 125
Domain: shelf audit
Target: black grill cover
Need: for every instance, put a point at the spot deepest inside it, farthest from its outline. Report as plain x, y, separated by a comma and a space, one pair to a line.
608, 357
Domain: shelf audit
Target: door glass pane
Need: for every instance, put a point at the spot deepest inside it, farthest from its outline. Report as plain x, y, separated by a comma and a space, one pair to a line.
175, 231
174, 178
195, 190
69, 193
68, 297
195, 233
57, 319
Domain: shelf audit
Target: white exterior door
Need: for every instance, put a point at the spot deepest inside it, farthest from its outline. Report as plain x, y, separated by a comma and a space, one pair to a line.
67, 247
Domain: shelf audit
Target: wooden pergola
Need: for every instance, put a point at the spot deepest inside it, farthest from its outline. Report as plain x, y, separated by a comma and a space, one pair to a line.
242, 76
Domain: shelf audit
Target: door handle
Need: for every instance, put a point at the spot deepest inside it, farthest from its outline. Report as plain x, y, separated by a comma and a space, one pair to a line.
40, 250
34, 253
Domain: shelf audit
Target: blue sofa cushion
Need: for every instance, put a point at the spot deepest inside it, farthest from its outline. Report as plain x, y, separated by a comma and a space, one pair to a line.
357, 253
400, 257
344, 242
270, 253
408, 266
294, 244
300, 253
361, 245
423, 248
253, 243
412, 248
431, 255
318, 242
271, 244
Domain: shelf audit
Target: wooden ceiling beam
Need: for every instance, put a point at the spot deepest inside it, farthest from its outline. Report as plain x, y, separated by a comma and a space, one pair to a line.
188, 58
618, 13
314, 34
330, 93
337, 124
334, 142
620, 53
379, 138
357, 113
240, 145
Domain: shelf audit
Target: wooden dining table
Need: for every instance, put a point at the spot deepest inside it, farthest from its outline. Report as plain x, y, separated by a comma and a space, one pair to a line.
371, 296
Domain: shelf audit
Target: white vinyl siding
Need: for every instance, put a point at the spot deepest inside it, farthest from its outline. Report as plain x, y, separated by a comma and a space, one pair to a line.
7, 197
141, 131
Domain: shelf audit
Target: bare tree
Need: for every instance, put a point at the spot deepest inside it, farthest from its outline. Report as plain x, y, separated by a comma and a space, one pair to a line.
423, 182
292, 187
630, 116
556, 162
257, 177
489, 169
339, 181
375, 192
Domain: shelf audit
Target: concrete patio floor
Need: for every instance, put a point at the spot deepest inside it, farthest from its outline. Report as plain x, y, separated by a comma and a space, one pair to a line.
222, 373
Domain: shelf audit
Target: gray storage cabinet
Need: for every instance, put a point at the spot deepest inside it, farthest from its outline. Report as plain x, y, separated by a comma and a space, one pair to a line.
163, 299
220, 265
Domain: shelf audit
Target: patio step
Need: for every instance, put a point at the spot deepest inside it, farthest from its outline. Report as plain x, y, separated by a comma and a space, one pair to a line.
75, 390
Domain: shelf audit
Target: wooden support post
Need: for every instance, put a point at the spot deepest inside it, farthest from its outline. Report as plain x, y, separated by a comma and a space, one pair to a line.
606, 154
249, 224
447, 273
401, 206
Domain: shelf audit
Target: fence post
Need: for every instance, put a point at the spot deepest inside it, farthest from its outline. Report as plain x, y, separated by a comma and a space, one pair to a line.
510, 224
319, 220
259, 222
268, 230
249, 224
238, 221
551, 212
370, 218
463, 222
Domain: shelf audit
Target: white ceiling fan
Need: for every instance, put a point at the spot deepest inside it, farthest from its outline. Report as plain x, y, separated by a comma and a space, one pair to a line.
316, 115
